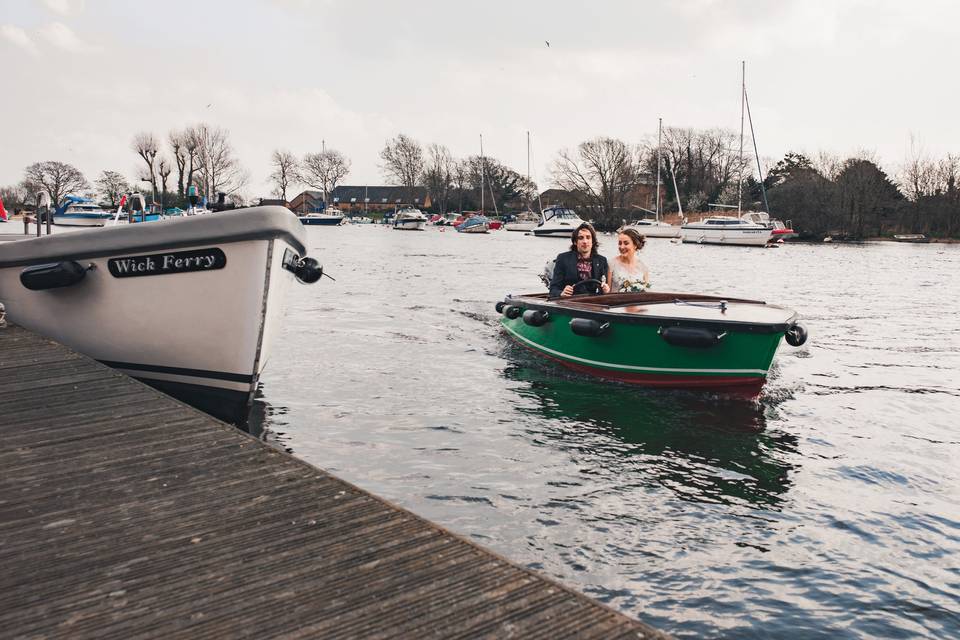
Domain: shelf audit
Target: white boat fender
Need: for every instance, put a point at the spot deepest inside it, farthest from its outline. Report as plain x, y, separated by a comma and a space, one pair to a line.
796, 335
588, 328
698, 337
51, 276
512, 312
535, 317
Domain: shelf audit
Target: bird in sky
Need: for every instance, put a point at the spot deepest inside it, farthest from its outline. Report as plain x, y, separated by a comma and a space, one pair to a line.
548, 42
208, 106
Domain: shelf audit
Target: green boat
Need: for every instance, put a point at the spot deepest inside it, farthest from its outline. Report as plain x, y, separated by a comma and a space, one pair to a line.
675, 340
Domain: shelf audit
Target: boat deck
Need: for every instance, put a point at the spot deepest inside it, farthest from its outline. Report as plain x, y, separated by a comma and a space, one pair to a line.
676, 306
126, 514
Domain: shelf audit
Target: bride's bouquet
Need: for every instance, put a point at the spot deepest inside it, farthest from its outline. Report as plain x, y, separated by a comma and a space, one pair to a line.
634, 286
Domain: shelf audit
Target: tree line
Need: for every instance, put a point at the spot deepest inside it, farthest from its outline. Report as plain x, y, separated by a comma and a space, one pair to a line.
603, 177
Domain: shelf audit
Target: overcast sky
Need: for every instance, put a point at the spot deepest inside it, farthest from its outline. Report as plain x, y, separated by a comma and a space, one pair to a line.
843, 76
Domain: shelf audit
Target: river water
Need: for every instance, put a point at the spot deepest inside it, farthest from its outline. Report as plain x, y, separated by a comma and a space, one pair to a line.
829, 508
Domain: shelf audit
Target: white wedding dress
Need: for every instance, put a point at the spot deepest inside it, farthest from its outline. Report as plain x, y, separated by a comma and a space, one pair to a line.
622, 278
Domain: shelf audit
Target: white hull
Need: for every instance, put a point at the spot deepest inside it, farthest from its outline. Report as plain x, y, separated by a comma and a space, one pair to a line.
520, 226
744, 237
409, 225
81, 220
656, 230
196, 333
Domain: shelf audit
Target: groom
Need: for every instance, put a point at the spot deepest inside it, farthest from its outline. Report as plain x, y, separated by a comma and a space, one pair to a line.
582, 262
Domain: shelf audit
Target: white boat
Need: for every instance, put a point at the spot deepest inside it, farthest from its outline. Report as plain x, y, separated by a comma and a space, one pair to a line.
188, 305
557, 221
330, 216
781, 231
409, 219
727, 230
523, 221
80, 212
653, 228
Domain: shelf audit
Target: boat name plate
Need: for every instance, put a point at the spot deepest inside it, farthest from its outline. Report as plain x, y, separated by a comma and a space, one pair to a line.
156, 264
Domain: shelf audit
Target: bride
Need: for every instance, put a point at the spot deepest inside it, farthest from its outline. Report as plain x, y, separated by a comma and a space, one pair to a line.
627, 272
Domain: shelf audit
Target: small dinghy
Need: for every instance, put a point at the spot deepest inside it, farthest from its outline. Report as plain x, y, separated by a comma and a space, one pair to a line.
673, 340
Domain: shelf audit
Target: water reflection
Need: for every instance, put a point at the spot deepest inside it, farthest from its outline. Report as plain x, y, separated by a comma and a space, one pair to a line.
703, 447
266, 422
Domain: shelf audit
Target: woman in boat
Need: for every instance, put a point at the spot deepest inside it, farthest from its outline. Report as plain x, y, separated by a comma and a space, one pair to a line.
627, 271
581, 263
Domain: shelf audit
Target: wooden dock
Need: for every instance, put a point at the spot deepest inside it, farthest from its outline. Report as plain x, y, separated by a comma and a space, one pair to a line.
127, 514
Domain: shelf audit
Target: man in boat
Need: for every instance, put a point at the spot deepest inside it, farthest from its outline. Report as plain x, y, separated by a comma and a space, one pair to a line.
581, 263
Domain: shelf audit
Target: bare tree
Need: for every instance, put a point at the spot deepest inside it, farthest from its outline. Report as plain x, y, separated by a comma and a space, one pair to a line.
403, 162
218, 169
164, 168
15, 197
182, 143
147, 147
324, 170
286, 171
57, 179
459, 174
438, 174
111, 185
604, 170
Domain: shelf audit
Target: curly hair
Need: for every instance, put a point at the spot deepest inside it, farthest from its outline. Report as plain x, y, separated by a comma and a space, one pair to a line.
593, 235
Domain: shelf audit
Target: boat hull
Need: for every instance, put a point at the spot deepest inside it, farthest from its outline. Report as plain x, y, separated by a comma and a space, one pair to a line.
81, 219
742, 237
559, 231
520, 226
200, 335
656, 231
633, 349
409, 225
331, 221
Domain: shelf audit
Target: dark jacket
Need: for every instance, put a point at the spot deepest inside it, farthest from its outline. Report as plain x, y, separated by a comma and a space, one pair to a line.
565, 272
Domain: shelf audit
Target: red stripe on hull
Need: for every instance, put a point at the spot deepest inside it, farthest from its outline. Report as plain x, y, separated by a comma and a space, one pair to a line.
745, 386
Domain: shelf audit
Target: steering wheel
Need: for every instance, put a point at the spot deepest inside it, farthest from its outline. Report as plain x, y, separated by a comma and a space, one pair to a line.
592, 281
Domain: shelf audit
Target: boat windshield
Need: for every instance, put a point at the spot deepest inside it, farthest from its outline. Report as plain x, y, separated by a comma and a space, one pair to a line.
560, 214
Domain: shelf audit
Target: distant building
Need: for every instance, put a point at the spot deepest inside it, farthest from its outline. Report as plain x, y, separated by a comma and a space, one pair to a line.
356, 200
643, 194
352, 199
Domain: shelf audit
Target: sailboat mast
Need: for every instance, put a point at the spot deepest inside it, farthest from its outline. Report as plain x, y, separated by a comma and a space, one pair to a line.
482, 162
659, 137
743, 94
756, 153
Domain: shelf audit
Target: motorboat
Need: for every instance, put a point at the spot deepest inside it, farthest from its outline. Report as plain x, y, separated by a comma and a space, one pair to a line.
732, 230
474, 224
910, 237
651, 228
330, 216
409, 219
189, 305
557, 221
523, 221
81, 212
781, 230
674, 340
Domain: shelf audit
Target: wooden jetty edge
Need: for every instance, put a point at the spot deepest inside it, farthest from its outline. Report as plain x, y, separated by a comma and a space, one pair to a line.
127, 514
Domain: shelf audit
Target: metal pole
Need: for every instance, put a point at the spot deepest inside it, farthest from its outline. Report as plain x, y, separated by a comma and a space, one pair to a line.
743, 96
659, 137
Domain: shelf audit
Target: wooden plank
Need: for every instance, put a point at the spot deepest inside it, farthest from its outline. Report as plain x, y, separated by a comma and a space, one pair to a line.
127, 514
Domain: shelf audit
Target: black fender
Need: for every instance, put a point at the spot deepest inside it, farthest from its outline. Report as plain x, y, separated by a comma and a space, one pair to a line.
698, 337
500, 305
588, 328
796, 335
535, 317
53, 275
512, 312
